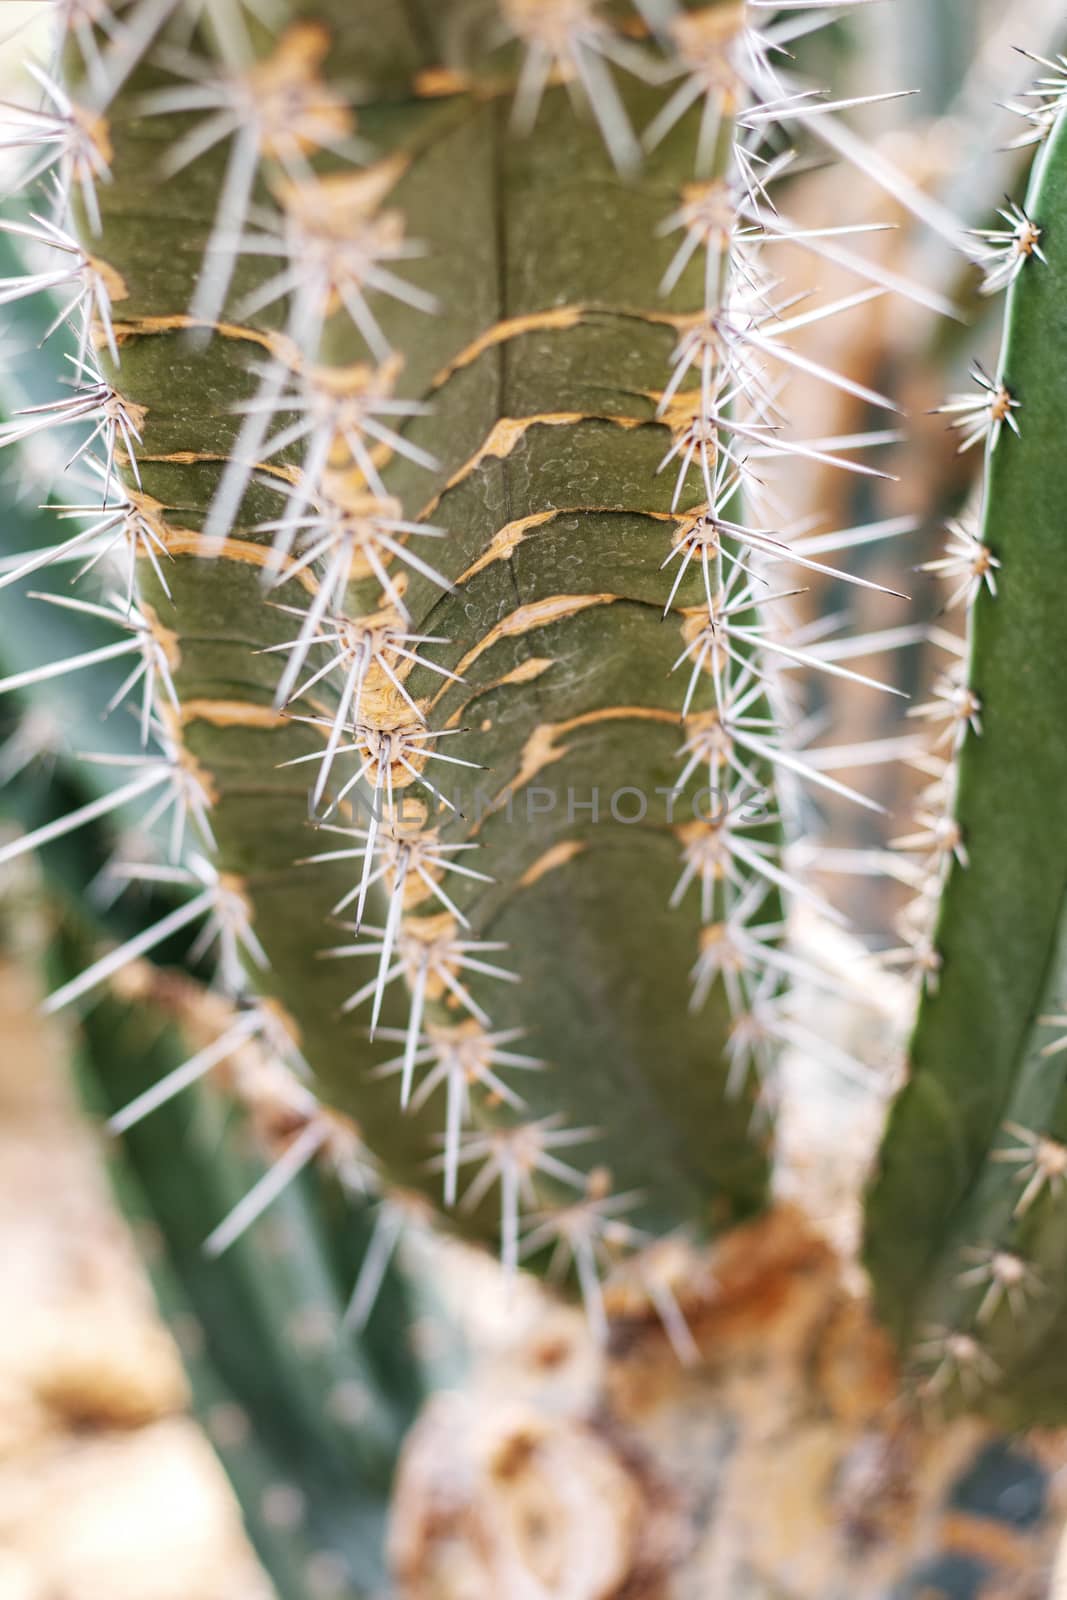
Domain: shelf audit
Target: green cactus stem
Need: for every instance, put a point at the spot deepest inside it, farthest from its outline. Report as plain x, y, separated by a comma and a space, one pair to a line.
965, 1229
543, 370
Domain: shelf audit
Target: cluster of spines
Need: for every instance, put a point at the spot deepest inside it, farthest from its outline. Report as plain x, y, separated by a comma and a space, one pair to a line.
954, 1363
335, 244
722, 402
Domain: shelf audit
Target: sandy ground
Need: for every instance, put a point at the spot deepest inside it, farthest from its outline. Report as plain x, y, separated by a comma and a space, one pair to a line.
108, 1491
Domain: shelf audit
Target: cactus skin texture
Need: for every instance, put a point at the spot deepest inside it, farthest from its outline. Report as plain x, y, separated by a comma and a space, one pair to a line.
558, 524
966, 1197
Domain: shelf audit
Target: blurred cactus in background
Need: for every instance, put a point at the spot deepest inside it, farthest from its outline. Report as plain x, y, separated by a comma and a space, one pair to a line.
447, 441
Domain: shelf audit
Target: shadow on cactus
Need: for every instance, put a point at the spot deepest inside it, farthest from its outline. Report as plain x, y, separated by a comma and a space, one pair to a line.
467, 460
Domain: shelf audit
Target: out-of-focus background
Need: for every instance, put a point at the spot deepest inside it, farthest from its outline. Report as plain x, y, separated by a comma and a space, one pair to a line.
107, 1490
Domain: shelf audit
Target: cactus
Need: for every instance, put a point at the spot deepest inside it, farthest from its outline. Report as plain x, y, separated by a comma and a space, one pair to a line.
427, 411
974, 1145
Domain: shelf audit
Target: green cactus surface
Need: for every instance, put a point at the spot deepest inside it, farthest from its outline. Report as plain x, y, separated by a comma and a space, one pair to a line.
539, 380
